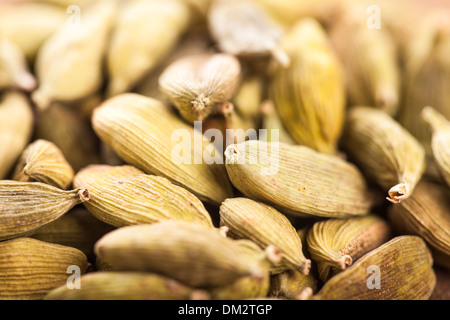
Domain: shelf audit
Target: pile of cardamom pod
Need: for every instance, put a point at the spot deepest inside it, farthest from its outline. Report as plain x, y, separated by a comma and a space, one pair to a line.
129, 169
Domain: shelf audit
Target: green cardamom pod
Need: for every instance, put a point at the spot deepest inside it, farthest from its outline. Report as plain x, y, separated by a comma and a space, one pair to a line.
385, 151
124, 195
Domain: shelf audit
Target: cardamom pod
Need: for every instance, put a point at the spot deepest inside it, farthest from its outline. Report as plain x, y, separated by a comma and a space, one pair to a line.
77, 228
14, 71
292, 284
440, 128
27, 206
69, 64
246, 287
297, 180
124, 286
247, 219
195, 255
370, 62
30, 268
310, 94
151, 29
426, 76
426, 214
131, 120
384, 150
335, 244
16, 126
124, 195
402, 266
236, 25
42, 161
70, 133
198, 84
28, 25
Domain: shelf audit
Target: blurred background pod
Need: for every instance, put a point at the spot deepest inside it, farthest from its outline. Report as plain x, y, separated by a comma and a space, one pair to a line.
144, 33
14, 71
370, 60
310, 94
29, 24
69, 65
16, 128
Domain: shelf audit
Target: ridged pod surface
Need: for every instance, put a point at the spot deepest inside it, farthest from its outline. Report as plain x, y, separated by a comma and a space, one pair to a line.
144, 133
426, 214
14, 72
42, 161
405, 271
267, 227
69, 64
197, 85
310, 94
385, 151
28, 25
27, 206
335, 244
124, 195
297, 180
30, 268
144, 34
192, 254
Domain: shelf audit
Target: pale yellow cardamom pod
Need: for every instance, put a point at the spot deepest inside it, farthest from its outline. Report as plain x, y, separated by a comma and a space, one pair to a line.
14, 71
197, 85
125, 286
195, 255
30, 268
310, 94
270, 229
27, 206
145, 32
28, 25
43, 161
370, 61
426, 214
124, 195
384, 151
440, 143
335, 244
243, 28
298, 180
16, 126
69, 64
144, 133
